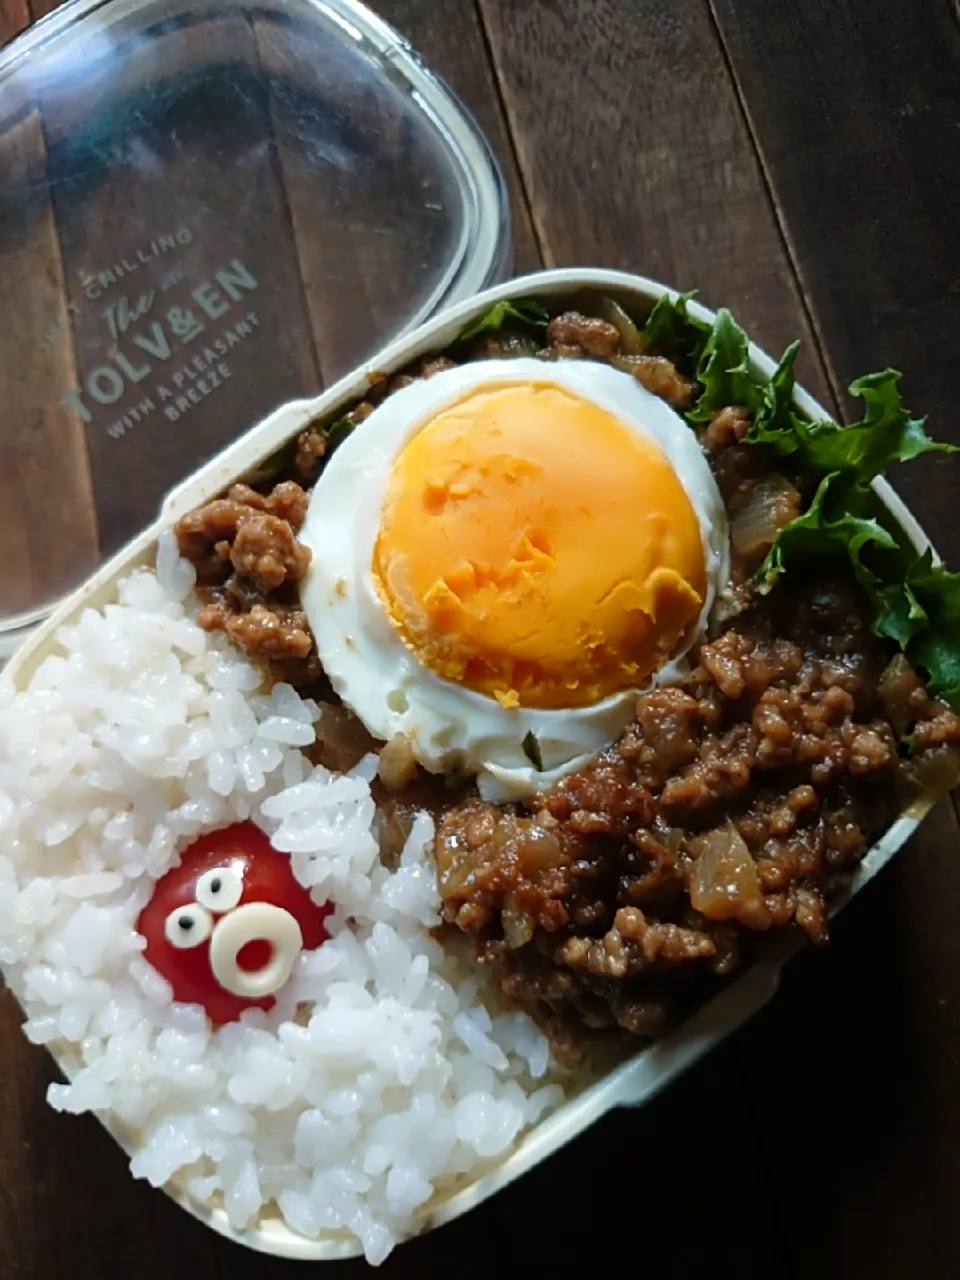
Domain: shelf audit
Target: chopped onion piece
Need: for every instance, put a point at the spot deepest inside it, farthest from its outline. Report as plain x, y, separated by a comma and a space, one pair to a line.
773, 503
937, 772
631, 339
724, 884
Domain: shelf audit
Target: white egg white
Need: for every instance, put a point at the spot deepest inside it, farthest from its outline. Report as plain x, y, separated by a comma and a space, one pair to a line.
450, 728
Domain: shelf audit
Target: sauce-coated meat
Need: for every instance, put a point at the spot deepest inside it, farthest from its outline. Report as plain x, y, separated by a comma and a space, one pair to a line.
736, 804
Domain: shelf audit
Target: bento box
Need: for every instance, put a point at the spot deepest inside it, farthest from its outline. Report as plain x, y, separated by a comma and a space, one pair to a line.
629, 1080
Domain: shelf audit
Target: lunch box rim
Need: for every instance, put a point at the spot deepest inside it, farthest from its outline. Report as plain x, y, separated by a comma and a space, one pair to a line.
641, 1076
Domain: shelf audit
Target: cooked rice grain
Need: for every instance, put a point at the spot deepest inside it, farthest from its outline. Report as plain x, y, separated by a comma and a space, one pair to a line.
384, 1072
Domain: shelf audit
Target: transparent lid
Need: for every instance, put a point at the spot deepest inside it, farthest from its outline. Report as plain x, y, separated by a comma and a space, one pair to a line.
206, 209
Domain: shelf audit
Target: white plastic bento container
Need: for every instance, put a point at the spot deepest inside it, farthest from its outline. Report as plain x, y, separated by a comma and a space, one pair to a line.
638, 1078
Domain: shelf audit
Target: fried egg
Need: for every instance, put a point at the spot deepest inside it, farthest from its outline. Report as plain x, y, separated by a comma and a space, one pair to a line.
503, 555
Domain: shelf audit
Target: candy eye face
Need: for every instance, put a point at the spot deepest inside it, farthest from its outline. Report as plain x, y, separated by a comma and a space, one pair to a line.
220, 889
256, 952
188, 926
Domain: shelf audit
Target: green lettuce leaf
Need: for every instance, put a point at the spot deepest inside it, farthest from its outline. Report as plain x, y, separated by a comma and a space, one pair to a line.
776, 422
898, 613
522, 311
338, 429
531, 749
827, 528
922, 614
672, 332
723, 371
916, 602
886, 433
281, 460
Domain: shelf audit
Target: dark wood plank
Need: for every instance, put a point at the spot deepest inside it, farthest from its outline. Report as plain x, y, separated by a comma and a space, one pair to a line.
69, 1209
14, 17
370, 197
635, 154
855, 105
856, 1076
43, 443
642, 1184
448, 36
371, 201
48, 525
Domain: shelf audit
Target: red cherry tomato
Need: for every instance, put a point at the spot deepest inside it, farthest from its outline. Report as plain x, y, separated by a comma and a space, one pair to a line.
221, 860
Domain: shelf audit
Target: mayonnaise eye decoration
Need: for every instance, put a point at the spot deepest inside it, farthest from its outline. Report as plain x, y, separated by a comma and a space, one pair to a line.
221, 889
225, 928
188, 926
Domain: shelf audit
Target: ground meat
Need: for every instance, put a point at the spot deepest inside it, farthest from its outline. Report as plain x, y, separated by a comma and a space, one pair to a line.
727, 426
311, 449
764, 510
259, 631
436, 364
909, 706
572, 336
426, 367
735, 805
662, 378
248, 560
206, 536
316, 443
266, 553
594, 337
286, 501
397, 810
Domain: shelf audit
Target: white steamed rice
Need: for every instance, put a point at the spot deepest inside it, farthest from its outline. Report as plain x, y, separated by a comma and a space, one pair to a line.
398, 1078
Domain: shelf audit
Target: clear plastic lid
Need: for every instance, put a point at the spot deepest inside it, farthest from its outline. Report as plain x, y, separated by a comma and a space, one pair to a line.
206, 209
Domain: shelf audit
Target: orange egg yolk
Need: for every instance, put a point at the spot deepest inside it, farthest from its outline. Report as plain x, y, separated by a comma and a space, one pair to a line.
535, 549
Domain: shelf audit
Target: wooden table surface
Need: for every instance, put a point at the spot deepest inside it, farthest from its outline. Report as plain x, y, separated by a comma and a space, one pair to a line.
800, 163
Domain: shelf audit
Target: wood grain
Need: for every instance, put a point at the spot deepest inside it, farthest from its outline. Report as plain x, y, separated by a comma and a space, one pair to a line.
15, 17
635, 154
858, 126
856, 1078
48, 525
448, 36
373, 202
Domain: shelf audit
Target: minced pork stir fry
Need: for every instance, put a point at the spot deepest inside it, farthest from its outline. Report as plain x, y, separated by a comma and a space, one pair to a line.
740, 800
